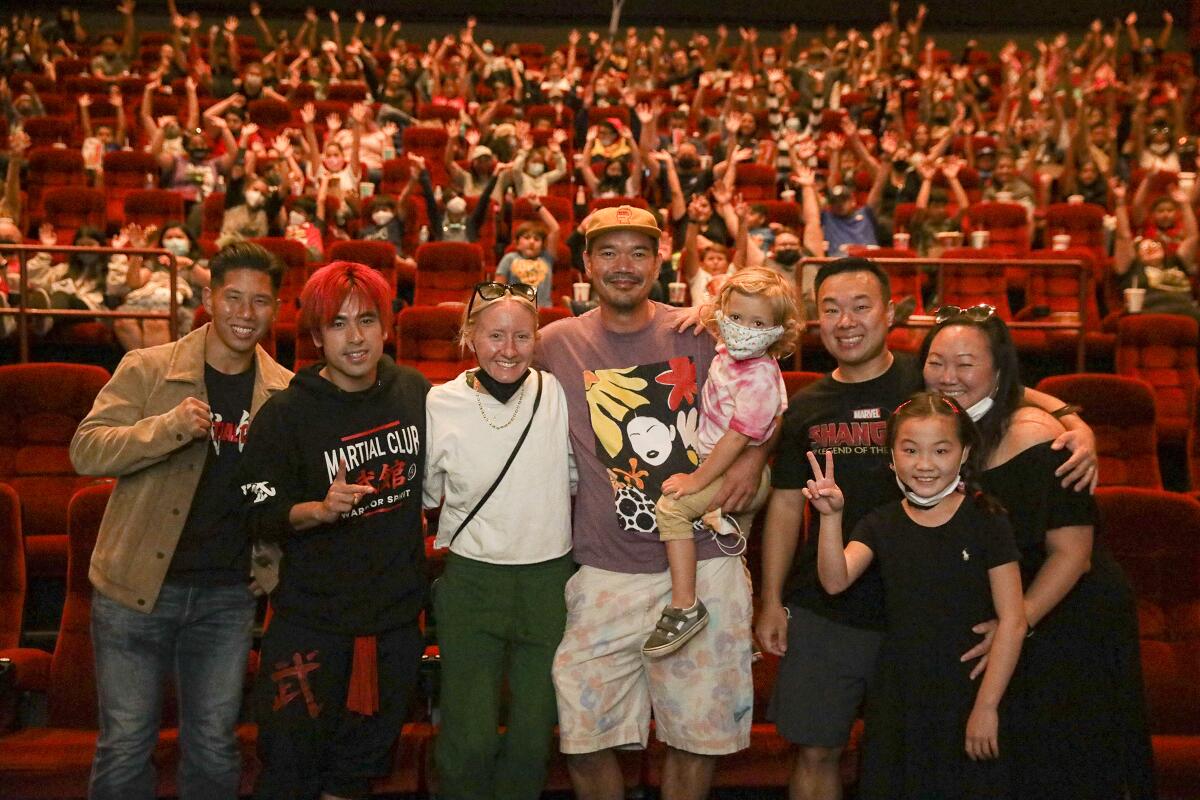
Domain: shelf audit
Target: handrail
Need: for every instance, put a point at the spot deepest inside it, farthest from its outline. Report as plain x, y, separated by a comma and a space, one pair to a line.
940, 264
23, 312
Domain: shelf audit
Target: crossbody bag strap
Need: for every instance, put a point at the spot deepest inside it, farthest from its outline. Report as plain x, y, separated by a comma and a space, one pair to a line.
537, 400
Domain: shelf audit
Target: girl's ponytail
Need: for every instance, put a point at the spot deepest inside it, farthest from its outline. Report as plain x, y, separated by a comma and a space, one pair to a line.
974, 489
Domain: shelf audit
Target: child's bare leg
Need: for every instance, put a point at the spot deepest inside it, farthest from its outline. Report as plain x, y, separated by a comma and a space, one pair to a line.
155, 332
681, 556
128, 333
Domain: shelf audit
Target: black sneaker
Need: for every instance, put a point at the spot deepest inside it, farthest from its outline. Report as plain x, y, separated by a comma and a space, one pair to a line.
675, 627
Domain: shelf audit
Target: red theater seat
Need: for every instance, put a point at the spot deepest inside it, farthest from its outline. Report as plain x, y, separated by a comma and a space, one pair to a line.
126, 171
559, 207
69, 208
379, 256
785, 212
1084, 223
12, 568
429, 142
796, 380
1010, 231
155, 207
447, 272
55, 760
49, 131
755, 182
48, 167
427, 339
44, 403
968, 285
1122, 415
1161, 350
268, 112
1153, 535
613, 202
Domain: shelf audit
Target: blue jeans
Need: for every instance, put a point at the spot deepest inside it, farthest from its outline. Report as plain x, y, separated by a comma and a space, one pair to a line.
200, 636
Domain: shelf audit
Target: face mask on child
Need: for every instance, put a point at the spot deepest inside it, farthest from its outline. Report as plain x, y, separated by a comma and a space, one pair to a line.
382, 217
927, 502
743, 342
296, 218
178, 246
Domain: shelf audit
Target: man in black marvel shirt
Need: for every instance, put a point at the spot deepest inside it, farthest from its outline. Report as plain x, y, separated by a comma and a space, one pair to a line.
828, 643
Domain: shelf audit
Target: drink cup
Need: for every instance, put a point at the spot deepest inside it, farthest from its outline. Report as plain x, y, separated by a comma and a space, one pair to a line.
980, 239
1061, 241
787, 195
901, 240
1134, 298
583, 291
1075, 200
366, 189
677, 292
948, 239
1187, 180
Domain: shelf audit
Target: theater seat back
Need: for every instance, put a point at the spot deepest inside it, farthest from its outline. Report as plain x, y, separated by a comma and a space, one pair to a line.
72, 696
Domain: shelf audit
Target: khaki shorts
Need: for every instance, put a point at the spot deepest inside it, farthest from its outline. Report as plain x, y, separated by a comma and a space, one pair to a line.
702, 696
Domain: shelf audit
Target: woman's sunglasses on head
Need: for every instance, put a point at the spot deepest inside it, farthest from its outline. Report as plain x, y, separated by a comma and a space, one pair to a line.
976, 313
488, 291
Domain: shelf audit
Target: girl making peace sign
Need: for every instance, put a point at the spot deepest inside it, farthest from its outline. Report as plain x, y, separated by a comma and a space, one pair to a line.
930, 734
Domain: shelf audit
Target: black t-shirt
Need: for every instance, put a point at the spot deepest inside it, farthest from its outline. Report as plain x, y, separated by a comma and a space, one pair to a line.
937, 588
851, 420
213, 549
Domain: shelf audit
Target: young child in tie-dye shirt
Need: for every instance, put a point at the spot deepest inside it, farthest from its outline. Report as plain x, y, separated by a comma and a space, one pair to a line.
756, 321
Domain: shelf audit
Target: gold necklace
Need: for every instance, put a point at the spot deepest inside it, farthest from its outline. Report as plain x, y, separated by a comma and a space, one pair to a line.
517, 410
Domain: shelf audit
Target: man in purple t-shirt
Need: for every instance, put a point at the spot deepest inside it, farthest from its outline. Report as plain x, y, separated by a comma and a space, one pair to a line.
632, 383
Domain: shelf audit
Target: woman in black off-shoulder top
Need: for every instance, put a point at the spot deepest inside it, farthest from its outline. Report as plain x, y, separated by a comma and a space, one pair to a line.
1075, 724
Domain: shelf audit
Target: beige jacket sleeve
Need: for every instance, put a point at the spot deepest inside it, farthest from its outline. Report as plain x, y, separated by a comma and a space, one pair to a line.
119, 437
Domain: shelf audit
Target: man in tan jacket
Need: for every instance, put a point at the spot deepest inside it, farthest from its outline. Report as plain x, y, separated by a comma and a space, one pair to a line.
171, 568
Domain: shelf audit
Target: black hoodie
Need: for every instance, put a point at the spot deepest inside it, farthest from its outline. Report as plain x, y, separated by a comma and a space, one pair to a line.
364, 574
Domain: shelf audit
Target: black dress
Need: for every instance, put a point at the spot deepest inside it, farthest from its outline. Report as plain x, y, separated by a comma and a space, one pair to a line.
936, 587
1077, 717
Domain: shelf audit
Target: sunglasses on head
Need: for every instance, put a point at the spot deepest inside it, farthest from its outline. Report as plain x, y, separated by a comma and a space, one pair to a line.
977, 313
494, 290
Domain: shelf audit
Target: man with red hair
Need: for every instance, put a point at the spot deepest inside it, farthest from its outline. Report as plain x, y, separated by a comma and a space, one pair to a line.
332, 472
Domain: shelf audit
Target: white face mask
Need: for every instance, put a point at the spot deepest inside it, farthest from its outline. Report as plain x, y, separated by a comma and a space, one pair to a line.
535, 169
382, 217
927, 502
296, 218
254, 198
179, 247
980, 409
743, 342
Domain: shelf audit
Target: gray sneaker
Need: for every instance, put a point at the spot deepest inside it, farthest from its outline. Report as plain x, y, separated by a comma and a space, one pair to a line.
675, 627
8, 323
40, 299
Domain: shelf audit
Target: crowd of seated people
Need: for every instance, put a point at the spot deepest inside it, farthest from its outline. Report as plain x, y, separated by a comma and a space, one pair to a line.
809, 146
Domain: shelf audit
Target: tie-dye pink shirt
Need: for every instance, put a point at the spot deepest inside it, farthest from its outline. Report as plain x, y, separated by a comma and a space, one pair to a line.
744, 396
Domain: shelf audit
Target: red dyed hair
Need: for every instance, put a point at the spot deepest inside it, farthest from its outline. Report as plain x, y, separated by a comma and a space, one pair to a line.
326, 291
